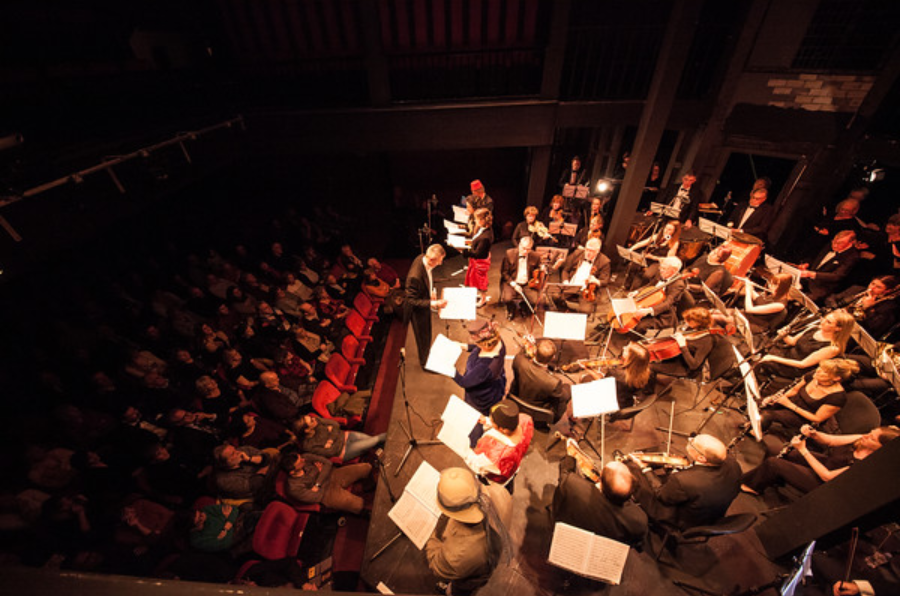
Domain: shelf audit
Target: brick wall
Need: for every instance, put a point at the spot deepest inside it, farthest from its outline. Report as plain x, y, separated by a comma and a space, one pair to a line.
824, 93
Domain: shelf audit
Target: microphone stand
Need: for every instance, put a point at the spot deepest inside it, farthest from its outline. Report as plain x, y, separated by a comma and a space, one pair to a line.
408, 430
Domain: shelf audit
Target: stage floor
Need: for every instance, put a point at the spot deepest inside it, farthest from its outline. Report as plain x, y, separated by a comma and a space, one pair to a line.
721, 566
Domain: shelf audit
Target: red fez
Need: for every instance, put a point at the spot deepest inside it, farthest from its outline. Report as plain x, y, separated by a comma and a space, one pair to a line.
475, 185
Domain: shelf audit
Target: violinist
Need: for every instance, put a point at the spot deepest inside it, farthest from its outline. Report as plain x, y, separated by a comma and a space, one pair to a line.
532, 228
556, 216
520, 270
694, 351
593, 230
663, 313
587, 269
535, 384
664, 243
635, 377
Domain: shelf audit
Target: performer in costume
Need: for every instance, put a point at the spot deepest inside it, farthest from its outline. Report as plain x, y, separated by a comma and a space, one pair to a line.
483, 380
480, 255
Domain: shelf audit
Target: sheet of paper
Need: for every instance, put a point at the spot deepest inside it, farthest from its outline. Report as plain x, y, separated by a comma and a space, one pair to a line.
752, 395
569, 229
631, 256
414, 519
710, 227
588, 554
461, 304
621, 306
594, 398
452, 227
458, 421
455, 241
714, 299
383, 589
671, 212
443, 356
565, 325
554, 227
423, 485
460, 214
742, 325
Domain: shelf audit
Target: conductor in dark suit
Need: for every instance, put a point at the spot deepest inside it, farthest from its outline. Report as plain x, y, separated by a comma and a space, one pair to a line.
584, 266
535, 384
517, 269
605, 510
831, 266
686, 197
420, 297
753, 216
698, 495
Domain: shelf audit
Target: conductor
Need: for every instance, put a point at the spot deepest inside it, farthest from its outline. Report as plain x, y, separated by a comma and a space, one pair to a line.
420, 298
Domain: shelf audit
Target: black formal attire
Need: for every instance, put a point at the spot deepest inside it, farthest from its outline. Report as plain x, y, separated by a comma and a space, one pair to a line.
690, 200
876, 320
690, 361
510, 267
579, 503
715, 276
664, 314
417, 306
757, 224
830, 273
600, 269
583, 236
698, 495
537, 386
578, 177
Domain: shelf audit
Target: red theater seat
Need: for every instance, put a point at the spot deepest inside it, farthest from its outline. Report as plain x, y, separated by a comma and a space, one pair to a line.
341, 373
278, 533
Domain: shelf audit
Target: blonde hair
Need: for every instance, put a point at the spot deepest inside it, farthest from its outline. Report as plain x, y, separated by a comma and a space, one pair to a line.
530, 211
842, 368
845, 323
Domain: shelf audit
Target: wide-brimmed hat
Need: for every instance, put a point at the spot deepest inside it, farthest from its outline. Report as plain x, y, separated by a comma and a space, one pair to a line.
482, 329
458, 495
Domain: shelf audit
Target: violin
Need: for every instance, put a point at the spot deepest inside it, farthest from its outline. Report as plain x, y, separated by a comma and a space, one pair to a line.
668, 347
647, 297
588, 292
539, 229
597, 363
538, 278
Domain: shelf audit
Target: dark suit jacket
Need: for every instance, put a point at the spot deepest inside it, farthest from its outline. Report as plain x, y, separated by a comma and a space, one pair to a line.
601, 268
511, 260
759, 221
417, 301
832, 272
537, 386
672, 294
579, 503
689, 211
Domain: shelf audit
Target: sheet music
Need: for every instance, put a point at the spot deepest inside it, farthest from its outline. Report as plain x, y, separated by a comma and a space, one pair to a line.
554, 227
458, 242
622, 306
565, 325
443, 356
569, 190
594, 398
752, 395
452, 227
671, 212
551, 254
416, 513
631, 256
710, 227
588, 554
458, 420
714, 299
742, 325
460, 214
461, 304
777, 266
569, 229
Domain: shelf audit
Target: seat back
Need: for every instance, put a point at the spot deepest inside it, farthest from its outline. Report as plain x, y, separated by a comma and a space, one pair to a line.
365, 306
540, 416
325, 393
351, 348
279, 531
356, 324
859, 415
339, 371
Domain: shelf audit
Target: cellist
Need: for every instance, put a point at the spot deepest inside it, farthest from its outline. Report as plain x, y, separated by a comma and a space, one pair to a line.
662, 313
588, 269
694, 350
518, 269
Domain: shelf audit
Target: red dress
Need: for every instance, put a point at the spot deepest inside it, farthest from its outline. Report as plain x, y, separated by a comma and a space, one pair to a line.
501, 453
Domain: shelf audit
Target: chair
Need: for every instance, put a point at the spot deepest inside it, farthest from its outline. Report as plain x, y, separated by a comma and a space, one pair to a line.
540, 416
859, 415
278, 533
365, 306
358, 326
730, 524
352, 350
633, 411
341, 373
324, 394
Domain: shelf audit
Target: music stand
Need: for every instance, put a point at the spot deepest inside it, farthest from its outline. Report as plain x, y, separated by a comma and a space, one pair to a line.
595, 400
715, 229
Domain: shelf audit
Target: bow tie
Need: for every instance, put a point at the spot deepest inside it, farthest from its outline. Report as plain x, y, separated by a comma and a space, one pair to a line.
752, 207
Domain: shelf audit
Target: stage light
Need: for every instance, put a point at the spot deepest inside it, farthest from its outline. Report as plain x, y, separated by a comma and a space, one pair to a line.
603, 186
877, 175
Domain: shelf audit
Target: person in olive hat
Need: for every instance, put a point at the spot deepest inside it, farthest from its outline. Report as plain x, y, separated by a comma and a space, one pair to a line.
472, 536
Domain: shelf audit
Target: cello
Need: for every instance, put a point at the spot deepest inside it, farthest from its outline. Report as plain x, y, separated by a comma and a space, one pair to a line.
667, 347
647, 297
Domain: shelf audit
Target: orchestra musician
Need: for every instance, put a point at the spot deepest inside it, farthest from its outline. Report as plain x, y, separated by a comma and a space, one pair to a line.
698, 495
875, 308
532, 228
480, 255
831, 266
712, 271
588, 269
753, 216
664, 243
593, 230
575, 174
520, 270
481, 200
663, 314
813, 400
694, 351
483, 379
805, 470
684, 196
800, 353
504, 442
634, 378
766, 311
535, 384
556, 215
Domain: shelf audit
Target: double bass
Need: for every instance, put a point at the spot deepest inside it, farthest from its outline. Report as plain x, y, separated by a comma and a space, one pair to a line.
647, 297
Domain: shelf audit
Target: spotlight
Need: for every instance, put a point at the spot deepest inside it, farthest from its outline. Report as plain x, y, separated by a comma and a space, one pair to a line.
603, 186
877, 175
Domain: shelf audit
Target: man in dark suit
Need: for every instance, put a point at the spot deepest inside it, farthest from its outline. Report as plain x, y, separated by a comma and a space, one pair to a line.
517, 269
831, 266
420, 297
584, 266
753, 216
664, 313
684, 196
605, 510
698, 495
536, 385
